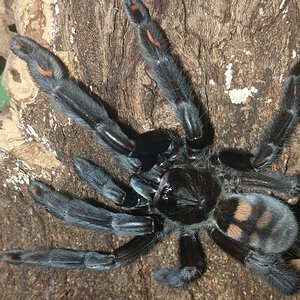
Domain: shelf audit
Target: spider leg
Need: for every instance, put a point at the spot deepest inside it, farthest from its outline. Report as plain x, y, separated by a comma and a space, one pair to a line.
155, 49
104, 185
145, 184
192, 264
284, 123
271, 182
143, 187
234, 158
273, 139
282, 275
49, 73
86, 215
72, 259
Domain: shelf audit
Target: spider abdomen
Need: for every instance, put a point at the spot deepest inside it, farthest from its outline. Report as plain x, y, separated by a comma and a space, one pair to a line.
259, 221
187, 195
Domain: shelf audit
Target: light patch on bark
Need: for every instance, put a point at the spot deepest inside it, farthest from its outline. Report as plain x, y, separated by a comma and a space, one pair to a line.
239, 96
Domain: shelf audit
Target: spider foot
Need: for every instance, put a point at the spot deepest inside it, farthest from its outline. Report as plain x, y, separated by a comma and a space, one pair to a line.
177, 277
72, 259
54, 258
283, 276
273, 267
192, 262
11, 256
59, 259
136, 11
46, 69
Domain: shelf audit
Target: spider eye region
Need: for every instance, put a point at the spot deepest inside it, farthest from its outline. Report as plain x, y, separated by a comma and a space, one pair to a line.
187, 195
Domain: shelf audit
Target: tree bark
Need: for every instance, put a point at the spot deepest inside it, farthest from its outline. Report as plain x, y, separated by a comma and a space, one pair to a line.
237, 54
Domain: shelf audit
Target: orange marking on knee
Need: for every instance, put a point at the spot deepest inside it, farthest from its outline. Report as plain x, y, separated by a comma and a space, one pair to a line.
19, 46
10, 257
45, 72
36, 191
152, 40
134, 8
243, 211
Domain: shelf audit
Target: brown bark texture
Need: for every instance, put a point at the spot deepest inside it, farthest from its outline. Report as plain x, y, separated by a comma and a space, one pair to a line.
237, 54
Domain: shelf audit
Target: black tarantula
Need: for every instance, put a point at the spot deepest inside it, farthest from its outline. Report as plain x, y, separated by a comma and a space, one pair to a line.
177, 184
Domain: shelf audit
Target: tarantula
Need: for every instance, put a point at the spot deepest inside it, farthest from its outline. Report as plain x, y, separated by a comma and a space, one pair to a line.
177, 184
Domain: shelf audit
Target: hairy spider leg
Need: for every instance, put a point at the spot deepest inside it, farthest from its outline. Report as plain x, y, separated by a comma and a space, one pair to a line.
143, 187
284, 123
274, 138
104, 185
192, 262
276, 183
83, 214
279, 273
72, 259
49, 73
144, 184
171, 79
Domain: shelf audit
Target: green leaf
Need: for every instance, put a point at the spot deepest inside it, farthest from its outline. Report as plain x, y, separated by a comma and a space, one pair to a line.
3, 96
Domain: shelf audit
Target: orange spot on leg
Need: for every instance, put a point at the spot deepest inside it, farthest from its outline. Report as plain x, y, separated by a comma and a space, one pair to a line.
44, 72
152, 40
10, 257
19, 46
133, 8
36, 191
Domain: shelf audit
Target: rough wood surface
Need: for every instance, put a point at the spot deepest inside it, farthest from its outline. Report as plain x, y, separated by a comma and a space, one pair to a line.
237, 54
